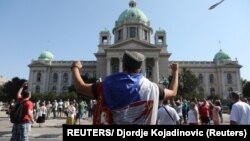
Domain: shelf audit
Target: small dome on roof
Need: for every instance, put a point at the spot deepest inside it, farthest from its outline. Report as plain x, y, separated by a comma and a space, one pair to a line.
105, 30
160, 30
46, 56
132, 13
221, 56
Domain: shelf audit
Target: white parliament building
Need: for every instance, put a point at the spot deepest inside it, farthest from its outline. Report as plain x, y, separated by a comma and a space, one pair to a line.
132, 31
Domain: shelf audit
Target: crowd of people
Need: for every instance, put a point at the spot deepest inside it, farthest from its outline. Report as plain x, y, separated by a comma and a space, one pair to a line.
128, 98
192, 112
45, 110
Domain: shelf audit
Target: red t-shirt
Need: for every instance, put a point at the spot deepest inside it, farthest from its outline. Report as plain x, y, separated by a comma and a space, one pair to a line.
204, 110
28, 105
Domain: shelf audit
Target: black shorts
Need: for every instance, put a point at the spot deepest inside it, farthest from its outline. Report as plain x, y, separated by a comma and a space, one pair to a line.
205, 119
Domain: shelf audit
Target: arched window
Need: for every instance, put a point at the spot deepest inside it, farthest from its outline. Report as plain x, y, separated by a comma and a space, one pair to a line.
65, 77
38, 77
55, 77
200, 78
37, 89
160, 40
54, 89
211, 78
212, 91
104, 40
64, 89
229, 78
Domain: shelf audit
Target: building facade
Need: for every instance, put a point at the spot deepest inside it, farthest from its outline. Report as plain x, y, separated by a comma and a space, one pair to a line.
133, 32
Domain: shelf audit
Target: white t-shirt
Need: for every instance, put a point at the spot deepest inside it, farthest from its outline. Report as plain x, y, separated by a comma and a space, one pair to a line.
240, 113
191, 116
60, 104
71, 111
163, 117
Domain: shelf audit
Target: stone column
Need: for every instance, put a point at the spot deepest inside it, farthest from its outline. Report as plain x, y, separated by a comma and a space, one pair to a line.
120, 64
108, 59
156, 70
124, 35
140, 34
207, 87
223, 90
238, 82
70, 79
47, 74
59, 83
143, 67
31, 80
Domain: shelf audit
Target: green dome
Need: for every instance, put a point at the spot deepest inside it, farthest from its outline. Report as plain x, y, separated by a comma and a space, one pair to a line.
221, 56
105, 30
160, 30
132, 13
46, 56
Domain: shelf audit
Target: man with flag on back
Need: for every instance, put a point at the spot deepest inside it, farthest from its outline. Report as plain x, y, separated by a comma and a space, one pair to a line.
126, 97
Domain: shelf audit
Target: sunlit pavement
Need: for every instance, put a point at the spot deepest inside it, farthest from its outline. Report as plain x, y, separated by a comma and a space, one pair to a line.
52, 129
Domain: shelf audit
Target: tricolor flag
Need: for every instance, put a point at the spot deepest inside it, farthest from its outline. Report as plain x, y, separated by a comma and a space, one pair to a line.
213, 6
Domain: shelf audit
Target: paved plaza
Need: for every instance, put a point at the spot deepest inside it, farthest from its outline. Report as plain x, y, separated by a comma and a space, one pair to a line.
52, 130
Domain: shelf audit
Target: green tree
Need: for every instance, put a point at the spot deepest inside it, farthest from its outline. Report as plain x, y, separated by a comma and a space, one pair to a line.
11, 88
80, 96
246, 89
243, 83
188, 84
51, 96
2, 95
71, 96
165, 81
38, 96
213, 97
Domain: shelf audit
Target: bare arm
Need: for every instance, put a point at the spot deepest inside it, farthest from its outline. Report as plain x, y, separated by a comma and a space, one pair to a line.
30, 113
172, 91
19, 93
80, 85
211, 104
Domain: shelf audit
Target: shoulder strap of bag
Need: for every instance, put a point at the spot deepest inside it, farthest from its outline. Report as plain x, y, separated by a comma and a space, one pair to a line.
23, 101
169, 114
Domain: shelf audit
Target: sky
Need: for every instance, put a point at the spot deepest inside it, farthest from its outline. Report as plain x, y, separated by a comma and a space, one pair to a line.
70, 29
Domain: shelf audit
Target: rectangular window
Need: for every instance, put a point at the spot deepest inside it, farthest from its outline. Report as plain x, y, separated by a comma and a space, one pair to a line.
229, 78
148, 71
115, 69
119, 35
145, 34
132, 32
